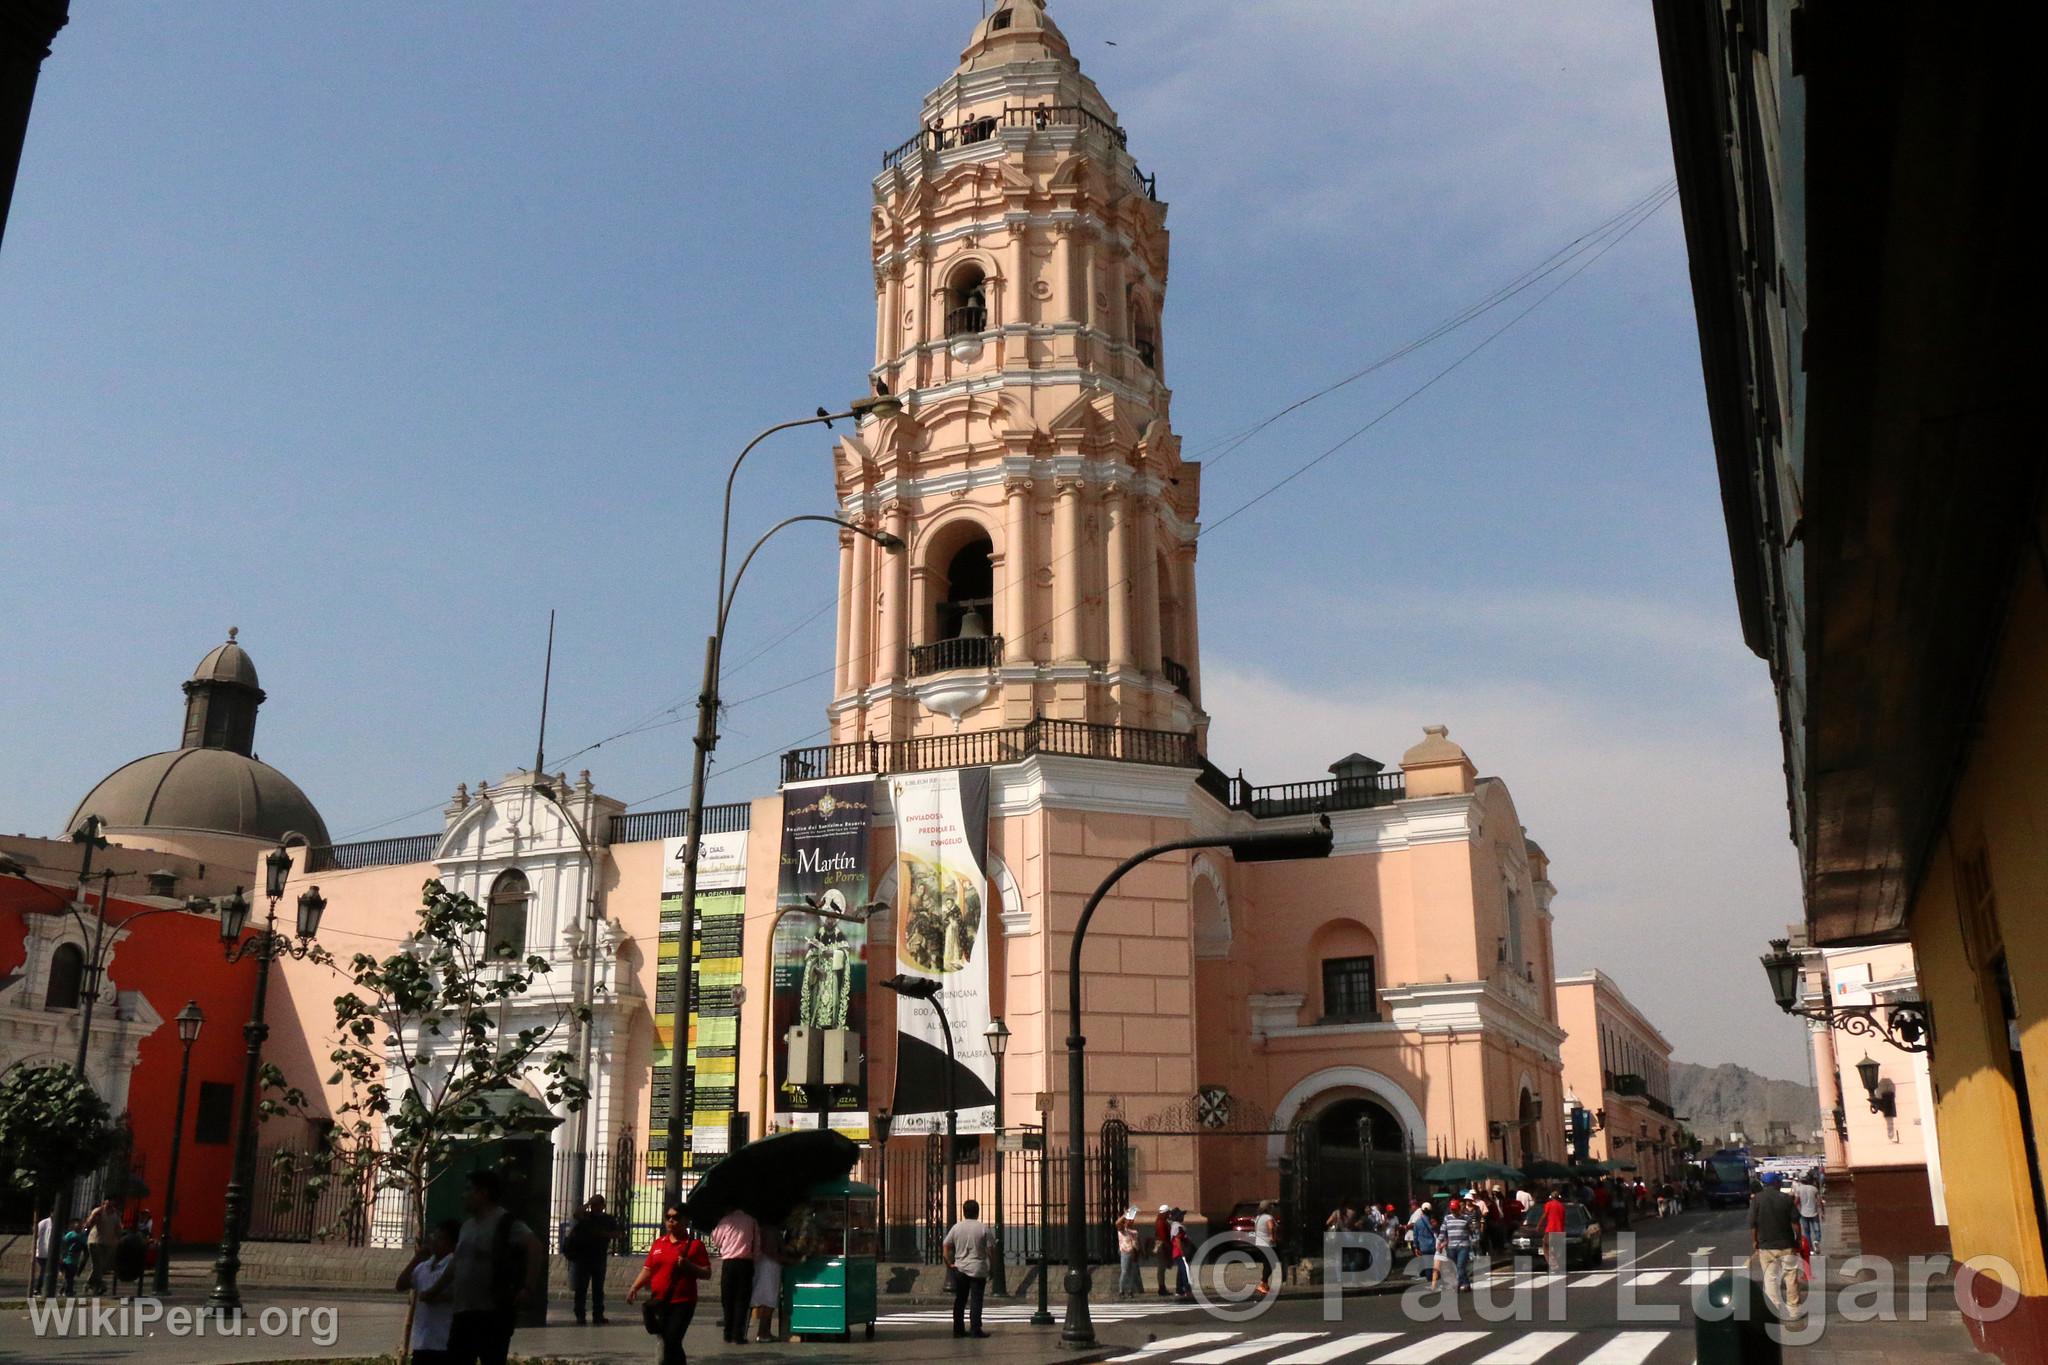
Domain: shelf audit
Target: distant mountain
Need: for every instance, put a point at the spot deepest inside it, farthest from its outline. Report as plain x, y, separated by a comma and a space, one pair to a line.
1719, 1100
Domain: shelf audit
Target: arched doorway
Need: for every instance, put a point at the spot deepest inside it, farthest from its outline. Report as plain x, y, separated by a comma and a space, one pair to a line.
1361, 1154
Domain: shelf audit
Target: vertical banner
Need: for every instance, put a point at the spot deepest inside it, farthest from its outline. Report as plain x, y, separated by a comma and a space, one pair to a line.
819, 986
714, 1033
942, 932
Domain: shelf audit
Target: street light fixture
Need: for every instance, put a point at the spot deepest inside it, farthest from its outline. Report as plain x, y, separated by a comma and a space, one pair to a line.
682, 1079
266, 946
997, 1036
926, 988
190, 1019
1906, 1024
880, 1127
1313, 841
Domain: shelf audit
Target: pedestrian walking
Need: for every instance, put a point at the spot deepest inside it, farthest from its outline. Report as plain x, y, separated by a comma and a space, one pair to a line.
45, 1248
1129, 1279
1806, 1194
1456, 1237
1265, 1234
102, 1236
767, 1296
1553, 1231
1162, 1245
969, 1247
587, 1246
736, 1238
71, 1257
1774, 1235
499, 1267
427, 1278
674, 1265
1421, 1238
1180, 1247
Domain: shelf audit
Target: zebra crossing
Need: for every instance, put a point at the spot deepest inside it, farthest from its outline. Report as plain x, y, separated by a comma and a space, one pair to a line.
1593, 1279
1607, 1347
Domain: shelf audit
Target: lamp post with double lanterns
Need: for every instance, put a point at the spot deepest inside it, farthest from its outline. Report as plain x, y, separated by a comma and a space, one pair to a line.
682, 1080
266, 945
190, 1019
1315, 841
997, 1036
926, 988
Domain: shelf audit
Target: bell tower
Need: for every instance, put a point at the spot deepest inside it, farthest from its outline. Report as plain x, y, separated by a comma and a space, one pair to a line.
1020, 264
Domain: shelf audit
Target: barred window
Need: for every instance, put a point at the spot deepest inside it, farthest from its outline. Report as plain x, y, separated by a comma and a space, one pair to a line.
1350, 989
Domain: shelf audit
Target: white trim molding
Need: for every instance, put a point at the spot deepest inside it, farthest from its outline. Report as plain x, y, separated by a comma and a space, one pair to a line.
1382, 1088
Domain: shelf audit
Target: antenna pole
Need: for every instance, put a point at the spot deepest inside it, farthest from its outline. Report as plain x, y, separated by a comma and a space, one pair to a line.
546, 678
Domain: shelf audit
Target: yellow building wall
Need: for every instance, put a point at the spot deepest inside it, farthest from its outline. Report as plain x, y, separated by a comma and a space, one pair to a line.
1999, 814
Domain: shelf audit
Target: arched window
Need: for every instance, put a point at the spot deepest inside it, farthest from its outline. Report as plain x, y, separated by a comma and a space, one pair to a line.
967, 302
1144, 329
67, 978
1514, 936
1000, 21
970, 591
1345, 958
505, 922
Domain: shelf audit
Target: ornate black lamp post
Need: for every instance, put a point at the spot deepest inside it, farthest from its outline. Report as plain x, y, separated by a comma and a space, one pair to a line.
997, 1036
266, 945
1275, 846
1906, 1024
926, 988
189, 1020
881, 1121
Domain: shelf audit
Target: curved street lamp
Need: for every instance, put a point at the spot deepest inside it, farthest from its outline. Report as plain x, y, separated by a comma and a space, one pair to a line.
682, 1078
1262, 847
190, 1019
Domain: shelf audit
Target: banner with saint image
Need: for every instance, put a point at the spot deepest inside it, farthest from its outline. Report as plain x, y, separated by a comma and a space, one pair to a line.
942, 932
819, 983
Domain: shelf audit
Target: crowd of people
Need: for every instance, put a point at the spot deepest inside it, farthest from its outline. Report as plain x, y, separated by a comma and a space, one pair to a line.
108, 1249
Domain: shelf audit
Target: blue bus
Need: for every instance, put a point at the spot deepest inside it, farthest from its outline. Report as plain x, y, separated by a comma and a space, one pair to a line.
1727, 1177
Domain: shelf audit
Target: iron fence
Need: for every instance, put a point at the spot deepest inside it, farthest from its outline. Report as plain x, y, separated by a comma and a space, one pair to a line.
642, 826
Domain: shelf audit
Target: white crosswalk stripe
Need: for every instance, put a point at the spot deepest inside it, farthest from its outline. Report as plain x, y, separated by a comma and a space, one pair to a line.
1324, 1352
1527, 1348
1223, 1354
1430, 1347
1650, 1277
1702, 1277
1626, 1348
1598, 1277
1153, 1350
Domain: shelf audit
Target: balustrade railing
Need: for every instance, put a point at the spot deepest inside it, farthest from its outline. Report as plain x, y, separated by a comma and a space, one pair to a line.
396, 852
1035, 118
642, 825
966, 651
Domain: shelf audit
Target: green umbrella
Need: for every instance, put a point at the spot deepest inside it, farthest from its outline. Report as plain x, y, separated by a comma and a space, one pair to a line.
1544, 1169
1456, 1172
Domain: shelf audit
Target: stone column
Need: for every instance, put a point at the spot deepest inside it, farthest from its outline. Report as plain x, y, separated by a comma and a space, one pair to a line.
1145, 585
1119, 576
861, 609
844, 644
893, 662
1067, 571
1016, 616
1191, 640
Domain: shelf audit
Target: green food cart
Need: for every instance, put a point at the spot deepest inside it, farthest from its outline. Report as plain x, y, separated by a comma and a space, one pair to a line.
830, 1285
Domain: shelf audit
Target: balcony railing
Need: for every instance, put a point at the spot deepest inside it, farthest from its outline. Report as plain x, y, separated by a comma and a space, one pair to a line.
397, 852
640, 826
1033, 117
966, 651
1073, 738
970, 319
1177, 673
1302, 798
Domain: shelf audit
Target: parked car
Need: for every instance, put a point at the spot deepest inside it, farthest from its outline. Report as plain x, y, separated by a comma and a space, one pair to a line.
1245, 1210
1584, 1240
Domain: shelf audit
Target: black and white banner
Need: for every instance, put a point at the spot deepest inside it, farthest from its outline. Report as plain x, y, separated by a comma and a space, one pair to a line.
943, 932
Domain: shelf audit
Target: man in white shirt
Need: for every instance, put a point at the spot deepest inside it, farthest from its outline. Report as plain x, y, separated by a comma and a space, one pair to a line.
46, 1247
1265, 1231
969, 1247
1806, 1194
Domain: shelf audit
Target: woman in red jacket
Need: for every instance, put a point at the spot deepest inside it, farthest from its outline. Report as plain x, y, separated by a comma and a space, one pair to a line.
675, 1263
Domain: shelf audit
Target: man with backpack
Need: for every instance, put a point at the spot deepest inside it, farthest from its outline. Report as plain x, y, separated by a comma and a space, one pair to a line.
587, 1246
500, 1266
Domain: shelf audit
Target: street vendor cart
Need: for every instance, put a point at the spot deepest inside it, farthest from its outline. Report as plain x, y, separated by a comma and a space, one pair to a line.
830, 1285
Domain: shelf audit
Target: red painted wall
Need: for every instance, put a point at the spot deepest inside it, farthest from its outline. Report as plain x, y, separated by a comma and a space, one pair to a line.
169, 958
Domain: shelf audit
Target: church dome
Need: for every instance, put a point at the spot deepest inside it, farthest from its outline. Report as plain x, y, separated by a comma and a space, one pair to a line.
216, 791
228, 663
213, 783
1017, 31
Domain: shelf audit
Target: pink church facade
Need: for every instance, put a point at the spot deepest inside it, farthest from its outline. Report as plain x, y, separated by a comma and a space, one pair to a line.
1042, 623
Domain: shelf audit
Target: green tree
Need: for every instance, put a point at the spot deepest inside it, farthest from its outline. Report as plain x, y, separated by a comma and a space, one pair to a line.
53, 1129
421, 1056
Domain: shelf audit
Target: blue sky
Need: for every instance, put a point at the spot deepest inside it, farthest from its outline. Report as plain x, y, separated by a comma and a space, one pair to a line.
380, 330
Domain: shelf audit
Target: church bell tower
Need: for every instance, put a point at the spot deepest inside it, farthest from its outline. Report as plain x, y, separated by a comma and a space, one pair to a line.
1020, 271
